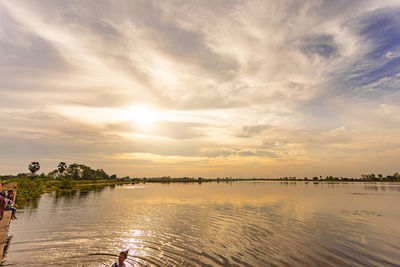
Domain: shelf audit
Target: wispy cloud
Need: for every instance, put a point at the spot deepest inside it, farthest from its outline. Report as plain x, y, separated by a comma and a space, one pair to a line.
247, 88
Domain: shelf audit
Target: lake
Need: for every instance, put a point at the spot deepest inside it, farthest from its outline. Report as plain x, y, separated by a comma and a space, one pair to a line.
212, 224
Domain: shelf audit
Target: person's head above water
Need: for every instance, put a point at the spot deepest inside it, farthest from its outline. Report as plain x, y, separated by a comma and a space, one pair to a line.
123, 255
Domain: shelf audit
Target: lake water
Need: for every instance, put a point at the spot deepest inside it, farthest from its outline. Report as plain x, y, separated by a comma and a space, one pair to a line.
212, 224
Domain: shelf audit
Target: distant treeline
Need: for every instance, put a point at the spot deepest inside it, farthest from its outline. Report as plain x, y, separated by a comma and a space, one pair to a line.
168, 179
389, 178
80, 172
364, 178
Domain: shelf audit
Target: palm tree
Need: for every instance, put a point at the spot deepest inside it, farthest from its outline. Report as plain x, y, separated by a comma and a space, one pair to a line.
62, 166
34, 166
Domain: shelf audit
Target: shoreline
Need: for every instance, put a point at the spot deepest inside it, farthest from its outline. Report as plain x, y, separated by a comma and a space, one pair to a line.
177, 180
51, 186
32, 191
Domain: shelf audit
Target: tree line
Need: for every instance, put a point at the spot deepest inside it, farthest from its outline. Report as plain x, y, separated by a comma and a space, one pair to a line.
389, 178
64, 171
79, 172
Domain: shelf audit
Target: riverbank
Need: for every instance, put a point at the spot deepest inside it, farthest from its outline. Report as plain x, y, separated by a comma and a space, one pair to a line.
32, 189
4, 226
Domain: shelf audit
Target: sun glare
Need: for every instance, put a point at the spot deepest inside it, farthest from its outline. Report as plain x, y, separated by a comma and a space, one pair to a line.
142, 114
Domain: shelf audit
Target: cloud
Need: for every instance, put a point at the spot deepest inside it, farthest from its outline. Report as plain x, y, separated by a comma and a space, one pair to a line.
241, 83
174, 130
249, 131
322, 45
22, 49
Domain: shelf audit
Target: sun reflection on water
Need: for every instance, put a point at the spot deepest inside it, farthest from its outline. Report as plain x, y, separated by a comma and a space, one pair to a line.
259, 224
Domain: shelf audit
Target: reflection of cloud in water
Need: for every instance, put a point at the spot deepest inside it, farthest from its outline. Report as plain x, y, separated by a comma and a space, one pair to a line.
259, 224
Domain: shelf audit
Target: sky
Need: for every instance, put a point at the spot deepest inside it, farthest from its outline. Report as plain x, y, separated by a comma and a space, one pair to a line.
210, 88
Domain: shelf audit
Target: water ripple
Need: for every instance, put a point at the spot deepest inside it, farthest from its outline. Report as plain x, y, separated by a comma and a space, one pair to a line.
165, 226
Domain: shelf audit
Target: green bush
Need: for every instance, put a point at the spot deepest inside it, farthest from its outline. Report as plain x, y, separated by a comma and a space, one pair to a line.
28, 189
67, 183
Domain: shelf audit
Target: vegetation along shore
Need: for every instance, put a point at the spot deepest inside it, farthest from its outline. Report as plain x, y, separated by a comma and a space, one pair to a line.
30, 186
65, 177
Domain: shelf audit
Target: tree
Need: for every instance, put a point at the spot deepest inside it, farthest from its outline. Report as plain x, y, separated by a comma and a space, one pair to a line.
34, 167
396, 177
82, 172
74, 171
62, 166
54, 174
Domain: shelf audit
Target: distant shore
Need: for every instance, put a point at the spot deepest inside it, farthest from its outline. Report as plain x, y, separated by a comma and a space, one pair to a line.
218, 180
30, 190
31, 186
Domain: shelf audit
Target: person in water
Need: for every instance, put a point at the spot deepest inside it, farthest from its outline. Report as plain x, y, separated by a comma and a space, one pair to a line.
121, 258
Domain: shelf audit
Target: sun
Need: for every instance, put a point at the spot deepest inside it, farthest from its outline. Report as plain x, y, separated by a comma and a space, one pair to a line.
142, 114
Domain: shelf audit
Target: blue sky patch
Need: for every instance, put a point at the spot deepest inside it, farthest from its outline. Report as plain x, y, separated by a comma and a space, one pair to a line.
376, 73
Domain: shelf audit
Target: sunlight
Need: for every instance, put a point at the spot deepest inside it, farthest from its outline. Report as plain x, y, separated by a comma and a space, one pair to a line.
142, 114
164, 74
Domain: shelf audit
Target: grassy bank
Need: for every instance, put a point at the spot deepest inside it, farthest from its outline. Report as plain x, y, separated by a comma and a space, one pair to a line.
29, 189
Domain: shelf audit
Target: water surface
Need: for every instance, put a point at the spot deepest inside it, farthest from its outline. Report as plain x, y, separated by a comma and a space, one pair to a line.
212, 224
